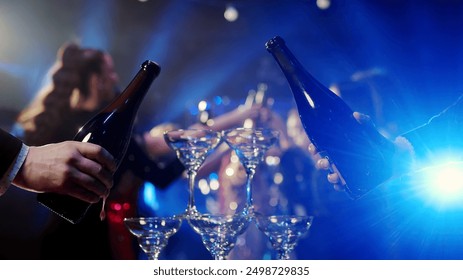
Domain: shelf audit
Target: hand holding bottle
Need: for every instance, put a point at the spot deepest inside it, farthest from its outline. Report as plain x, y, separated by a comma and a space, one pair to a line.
81, 170
401, 161
322, 163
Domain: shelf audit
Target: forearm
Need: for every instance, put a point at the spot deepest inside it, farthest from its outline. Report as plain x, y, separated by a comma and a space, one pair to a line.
160, 174
231, 119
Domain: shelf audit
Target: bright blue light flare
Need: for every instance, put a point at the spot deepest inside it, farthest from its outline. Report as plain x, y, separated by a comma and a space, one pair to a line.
442, 185
149, 196
96, 26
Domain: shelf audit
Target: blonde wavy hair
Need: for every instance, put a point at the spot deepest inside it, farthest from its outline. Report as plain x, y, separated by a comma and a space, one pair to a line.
70, 76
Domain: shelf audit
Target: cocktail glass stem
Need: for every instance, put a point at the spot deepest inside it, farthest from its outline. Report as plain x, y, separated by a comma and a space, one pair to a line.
191, 210
250, 145
152, 246
219, 257
249, 208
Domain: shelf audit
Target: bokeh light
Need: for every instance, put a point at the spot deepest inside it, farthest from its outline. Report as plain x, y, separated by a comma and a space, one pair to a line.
231, 13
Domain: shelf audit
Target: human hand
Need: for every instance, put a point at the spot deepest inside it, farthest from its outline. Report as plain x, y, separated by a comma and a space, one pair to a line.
323, 163
82, 170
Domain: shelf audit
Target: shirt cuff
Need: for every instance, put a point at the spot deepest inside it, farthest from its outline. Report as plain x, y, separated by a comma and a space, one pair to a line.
14, 169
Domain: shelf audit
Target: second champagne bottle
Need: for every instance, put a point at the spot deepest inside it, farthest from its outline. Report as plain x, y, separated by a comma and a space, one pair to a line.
112, 129
360, 153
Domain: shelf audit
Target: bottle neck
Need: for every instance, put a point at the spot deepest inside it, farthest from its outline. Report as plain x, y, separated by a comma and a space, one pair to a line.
290, 65
298, 77
132, 96
285, 59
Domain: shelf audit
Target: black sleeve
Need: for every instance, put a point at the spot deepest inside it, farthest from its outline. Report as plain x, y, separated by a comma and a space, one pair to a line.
10, 147
142, 166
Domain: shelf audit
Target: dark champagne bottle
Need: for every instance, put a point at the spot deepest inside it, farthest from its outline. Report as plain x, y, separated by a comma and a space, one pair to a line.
359, 152
111, 128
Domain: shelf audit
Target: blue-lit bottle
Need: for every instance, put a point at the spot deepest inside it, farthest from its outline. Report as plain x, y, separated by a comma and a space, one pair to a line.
111, 128
361, 154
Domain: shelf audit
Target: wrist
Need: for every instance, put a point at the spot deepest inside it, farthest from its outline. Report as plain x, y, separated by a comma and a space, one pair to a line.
14, 173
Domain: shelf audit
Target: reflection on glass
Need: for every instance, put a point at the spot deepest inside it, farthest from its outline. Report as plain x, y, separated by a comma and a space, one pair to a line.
250, 145
153, 233
219, 232
283, 231
192, 146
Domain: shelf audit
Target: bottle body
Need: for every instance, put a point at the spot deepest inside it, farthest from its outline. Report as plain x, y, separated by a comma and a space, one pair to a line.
111, 128
360, 154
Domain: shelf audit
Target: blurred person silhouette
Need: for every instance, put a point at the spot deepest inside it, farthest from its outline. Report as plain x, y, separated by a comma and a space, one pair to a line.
83, 81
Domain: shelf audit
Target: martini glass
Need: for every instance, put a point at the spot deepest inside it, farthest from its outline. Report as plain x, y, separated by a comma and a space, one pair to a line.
250, 145
283, 231
153, 233
192, 147
219, 232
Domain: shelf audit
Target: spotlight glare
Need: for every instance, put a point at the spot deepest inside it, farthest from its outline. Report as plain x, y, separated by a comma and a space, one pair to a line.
443, 184
323, 4
449, 180
231, 13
